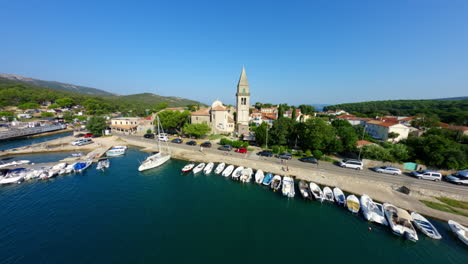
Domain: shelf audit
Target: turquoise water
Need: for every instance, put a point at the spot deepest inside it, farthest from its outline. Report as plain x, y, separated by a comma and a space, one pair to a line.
162, 216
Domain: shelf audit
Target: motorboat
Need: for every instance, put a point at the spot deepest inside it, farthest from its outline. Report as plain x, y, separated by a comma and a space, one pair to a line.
159, 158
15, 163
459, 230
328, 194
276, 183
220, 168
14, 176
81, 166
69, 168
352, 203
425, 226
288, 187
259, 176
199, 168
59, 166
33, 174
316, 191
103, 164
340, 198
227, 172
246, 175
76, 155
372, 211
305, 191
400, 222
208, 168
116, 151
237, 173
267, 180
188, 167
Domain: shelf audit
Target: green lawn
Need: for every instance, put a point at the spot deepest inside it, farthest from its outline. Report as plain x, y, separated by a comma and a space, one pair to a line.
453, 203
215, 136
443, 207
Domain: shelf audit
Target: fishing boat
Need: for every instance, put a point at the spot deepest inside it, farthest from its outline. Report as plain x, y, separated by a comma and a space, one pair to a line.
199, 168
14, 176
103, 164
220, 168
425, 226
352, 203
246, 175
288, 187
259, 176
400, 222
159, 158
316, 191
328, 194
81, 166
459, 230
372, 211
116, 151
208, 168
339, 196
305, 191
14, 163
227, 172
237, 173
276, 183
188, 167
267, 180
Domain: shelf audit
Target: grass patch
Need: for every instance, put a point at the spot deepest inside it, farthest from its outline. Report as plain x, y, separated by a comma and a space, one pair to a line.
215, 136
453, 203
325, 158
250, 149
442, 207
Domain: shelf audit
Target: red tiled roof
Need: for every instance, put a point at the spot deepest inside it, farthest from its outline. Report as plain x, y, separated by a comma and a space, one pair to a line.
407, 118
460, 128
201, 112
363, 142
384, 124
218, 108
444, 124
345, 116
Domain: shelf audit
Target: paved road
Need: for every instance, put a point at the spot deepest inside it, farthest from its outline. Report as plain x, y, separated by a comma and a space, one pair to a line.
405, 180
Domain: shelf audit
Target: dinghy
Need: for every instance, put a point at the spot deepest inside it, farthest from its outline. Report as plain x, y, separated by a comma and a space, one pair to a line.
459, 230
188, 167
305, 191
14, 176
237, 173
400, 222
259, 176
14, 163
227, 172
246, 175
339, 196
352, 203
267, 180
425, 226
276, 183
208, 168
103, 164
81, 166
372, 211
328, 194
288, 187
198, 168
316, 191
220, 168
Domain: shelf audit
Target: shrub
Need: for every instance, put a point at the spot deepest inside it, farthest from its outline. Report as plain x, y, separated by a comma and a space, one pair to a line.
275, 149
317, 154
308, 153
234, 143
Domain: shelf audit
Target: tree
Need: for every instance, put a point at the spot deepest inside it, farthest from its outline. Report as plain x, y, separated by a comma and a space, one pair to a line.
65, 102
149, 131
161, 106
68, 116
307, 109
28, 106
96, 124
293, 114
260, 134
193, 107
53, 106
281, 132
399, 152
392, 135
173, 119
316, 134
196, 130
376, 152
346, 134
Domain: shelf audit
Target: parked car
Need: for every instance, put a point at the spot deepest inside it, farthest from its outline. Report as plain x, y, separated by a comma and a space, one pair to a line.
427, 175
76, 142
163, 137
96, 136
206, 144
460, 177
285, 155
388, 170
225, 148
150, 136
177, 141
81, 142
241, 150
308, 160
352, 164
265, 153
88, 135
79, 135
191, 143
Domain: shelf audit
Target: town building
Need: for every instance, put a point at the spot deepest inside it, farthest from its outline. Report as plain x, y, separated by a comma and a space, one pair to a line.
380, 130
243, 104
218, 117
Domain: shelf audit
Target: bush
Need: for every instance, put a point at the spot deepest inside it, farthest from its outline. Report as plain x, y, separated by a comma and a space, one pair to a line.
317, 154
300, 152
275, 149
234, 143
308, 153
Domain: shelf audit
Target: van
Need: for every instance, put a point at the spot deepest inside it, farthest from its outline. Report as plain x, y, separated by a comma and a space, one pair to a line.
427, 175
352, 164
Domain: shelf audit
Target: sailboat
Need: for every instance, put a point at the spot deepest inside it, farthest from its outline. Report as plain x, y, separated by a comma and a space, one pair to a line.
158, 158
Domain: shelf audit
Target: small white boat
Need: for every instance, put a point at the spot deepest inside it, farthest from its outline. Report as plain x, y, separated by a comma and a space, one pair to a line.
227, 172
305, 191
103, 164
220, 168
328, 194
259, 176
14, 163
208, 168
372, 211
400, 222
316, 191
246, 175
237, 173
288, 187
425, 226
116, 151
276, 183
33, 174
188, 167
14, 176
153, 161
69, 168
59, 166
75, 155
199, 168
459, 230
352, 203
340, 198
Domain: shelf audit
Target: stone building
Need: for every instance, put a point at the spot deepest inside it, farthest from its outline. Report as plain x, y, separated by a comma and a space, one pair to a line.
243, 104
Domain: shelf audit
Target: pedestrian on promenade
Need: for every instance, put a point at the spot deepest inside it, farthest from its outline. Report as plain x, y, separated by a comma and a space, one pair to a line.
317, 163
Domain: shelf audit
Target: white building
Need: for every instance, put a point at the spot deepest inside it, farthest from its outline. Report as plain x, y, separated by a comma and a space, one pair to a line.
380, 130
243, 104
218, 117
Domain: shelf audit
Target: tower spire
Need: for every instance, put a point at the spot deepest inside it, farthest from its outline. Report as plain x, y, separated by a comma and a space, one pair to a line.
243, 79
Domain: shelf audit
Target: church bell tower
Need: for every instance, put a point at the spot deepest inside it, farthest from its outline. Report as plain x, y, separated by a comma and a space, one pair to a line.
243, 104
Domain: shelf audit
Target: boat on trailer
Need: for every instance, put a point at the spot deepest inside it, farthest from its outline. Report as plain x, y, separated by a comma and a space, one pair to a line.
425, 226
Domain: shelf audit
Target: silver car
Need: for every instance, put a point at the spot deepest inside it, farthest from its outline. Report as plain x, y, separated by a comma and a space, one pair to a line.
460, 177
388, 170
427, 175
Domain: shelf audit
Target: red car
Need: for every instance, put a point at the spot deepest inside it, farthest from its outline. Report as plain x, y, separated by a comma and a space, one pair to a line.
88, 135
241, 150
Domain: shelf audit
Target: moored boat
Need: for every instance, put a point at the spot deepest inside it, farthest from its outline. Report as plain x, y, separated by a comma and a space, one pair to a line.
237, 173
158, 158
267, 179
340, 198
316, 191
400, 222
246, 175
372, 211
425, 226
227, 172
188, 167
116, 151
81, 166
259, 176
220, 168
459, 230
14, 163
276, 183
14, 176
352, 203
288, 187
305, 191
199, 168
103, 164
208, 168
328, 194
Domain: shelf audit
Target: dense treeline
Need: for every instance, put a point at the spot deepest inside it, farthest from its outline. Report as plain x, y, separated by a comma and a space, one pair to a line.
452, 112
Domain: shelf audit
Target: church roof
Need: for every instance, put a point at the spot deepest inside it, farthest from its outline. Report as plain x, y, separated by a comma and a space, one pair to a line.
201, 112
243, 78
218, 108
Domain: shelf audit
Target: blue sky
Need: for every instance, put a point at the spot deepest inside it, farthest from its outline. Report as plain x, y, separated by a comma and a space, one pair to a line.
294, 51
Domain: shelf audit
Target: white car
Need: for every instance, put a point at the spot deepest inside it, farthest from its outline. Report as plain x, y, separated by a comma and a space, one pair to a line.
427, 175
460, 177
163, 137
76, 142
352, 164
388, 170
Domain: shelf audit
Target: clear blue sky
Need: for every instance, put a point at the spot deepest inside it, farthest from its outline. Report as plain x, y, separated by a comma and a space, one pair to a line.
294, 51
